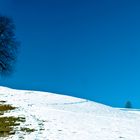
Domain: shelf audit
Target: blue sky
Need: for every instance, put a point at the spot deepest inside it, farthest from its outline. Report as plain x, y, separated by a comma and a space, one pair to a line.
87, 49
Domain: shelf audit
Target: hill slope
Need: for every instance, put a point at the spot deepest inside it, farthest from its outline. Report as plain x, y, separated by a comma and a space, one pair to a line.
59, 117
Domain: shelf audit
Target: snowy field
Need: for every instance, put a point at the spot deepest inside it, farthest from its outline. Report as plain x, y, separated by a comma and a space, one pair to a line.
59, 117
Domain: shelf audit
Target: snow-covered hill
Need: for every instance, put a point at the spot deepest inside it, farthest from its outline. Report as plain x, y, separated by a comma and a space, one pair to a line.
59, 117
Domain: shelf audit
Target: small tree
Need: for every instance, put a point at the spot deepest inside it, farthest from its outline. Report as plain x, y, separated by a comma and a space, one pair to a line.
128, 104
8, 45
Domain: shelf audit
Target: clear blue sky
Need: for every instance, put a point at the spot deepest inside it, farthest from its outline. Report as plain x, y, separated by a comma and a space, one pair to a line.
88, 49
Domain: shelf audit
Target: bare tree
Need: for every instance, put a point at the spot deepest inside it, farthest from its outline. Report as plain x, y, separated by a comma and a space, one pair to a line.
8, 45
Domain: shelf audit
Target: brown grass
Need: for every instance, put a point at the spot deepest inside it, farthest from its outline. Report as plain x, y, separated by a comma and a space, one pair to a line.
9, 125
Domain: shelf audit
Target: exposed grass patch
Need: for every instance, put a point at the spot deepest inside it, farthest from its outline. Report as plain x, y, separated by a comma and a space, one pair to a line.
1, 113
5, 107
9, 125
28, 130
2, 101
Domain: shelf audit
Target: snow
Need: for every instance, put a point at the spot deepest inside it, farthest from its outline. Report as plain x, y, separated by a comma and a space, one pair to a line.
60, 117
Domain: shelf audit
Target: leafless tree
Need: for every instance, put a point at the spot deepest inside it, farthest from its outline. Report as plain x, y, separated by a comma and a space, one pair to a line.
8, 45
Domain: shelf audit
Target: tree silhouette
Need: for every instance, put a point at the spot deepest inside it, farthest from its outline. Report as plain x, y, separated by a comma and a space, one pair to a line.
8, 45
128, 104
